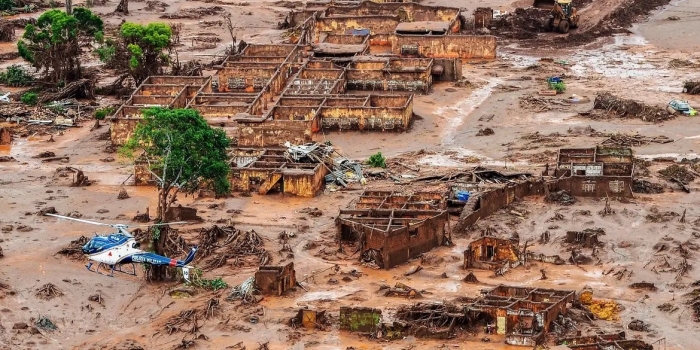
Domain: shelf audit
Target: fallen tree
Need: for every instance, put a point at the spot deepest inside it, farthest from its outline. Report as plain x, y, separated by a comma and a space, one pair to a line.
623, 108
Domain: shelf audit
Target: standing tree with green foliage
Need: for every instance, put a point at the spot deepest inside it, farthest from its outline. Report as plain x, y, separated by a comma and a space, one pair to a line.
183, 154
55, 43
141, 50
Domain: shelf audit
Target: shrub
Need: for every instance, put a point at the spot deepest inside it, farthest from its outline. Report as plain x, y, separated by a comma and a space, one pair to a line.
30, 98
15, 76
102, 113
377, 160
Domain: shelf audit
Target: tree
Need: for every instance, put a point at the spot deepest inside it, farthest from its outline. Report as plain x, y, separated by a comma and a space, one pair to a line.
183, 153
140, 50
55, 43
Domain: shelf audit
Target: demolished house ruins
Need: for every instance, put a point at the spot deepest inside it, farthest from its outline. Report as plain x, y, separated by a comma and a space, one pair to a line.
334, 74
392, 227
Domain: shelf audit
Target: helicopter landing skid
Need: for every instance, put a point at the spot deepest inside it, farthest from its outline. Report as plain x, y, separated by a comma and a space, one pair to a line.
112, 269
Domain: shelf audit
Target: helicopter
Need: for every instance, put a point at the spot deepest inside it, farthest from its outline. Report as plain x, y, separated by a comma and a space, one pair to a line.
115, 250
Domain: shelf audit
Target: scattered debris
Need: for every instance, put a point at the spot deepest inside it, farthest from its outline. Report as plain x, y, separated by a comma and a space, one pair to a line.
485, 132
44, 323
643, 286
470, 278
402, 290
602, 309
244, 291
633, 140
621, 108
562, 197
657, 216
691, 87
678, 173
639, 326
48, 292
75, 248
122, 194
643, 186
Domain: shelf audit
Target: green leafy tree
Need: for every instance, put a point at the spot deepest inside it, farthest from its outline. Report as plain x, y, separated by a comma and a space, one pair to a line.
141, 50
54, 45
6, 5
183, 153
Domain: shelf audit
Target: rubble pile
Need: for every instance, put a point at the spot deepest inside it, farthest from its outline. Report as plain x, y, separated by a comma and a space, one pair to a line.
342, 170
74, 249
677, 172
617, 107
643, 186
608, 310
245, 292
658, 216
521, 24
633, 140
431, 318
220, 244
195, 13
48, 292
692, 87
562, 197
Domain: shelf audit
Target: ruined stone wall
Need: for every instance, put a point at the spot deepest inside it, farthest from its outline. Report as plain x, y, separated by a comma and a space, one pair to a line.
241, 178
408, 11
446, 46
494, 200
407, 243
275, 280
306, 183
274, 133
366, 118
597, 186
341, 25
120, 129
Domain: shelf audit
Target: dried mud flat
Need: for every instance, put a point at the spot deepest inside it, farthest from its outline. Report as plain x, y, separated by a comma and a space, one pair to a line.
644, 240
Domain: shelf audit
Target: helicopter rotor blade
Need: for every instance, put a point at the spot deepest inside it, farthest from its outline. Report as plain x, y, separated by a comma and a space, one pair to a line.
165, 223
79, 220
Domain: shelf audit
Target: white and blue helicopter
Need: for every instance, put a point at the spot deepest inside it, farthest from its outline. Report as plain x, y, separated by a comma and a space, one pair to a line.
113, 251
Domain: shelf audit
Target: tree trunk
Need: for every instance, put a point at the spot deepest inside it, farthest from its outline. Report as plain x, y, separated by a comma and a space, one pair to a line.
123, 7
158, 272
69, 7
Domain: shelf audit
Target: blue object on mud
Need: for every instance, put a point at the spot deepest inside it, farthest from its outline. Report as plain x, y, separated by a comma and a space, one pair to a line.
463, 196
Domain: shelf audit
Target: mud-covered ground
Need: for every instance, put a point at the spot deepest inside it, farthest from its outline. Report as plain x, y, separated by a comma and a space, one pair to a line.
501, 95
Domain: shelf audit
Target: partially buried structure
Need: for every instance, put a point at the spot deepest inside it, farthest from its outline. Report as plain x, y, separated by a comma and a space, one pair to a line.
392, 227
346, 66
596, 172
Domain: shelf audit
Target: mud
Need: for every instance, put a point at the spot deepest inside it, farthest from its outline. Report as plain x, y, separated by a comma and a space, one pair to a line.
644, 239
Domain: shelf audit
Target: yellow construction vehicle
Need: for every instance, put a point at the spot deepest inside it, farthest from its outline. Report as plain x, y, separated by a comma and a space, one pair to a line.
564, 16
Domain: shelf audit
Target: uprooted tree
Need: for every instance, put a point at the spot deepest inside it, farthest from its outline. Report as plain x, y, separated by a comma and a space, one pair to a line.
183, 154
53, 46
140, 50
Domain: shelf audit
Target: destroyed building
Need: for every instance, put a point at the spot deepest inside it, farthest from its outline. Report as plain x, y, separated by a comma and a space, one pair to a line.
500, 255
490, 253
393, 227
615, 341
523, 314
301, 170
596, 172
275, 280
347, 66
